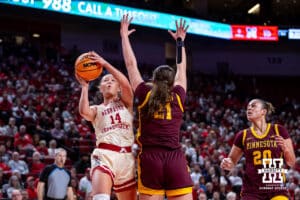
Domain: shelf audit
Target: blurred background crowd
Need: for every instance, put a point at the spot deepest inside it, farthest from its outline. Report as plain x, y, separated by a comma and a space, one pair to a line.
39, 113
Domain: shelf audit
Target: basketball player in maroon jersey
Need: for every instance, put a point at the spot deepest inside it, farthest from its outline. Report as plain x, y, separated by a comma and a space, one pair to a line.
162, 166
265, 147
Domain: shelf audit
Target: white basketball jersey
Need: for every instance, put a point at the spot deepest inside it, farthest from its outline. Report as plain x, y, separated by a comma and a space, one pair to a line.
113, 124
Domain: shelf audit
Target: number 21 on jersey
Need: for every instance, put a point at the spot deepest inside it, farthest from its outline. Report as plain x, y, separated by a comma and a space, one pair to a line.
164, 112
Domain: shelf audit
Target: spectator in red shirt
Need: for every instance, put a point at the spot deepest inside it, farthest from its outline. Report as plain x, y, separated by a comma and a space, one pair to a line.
36, 165
5, 168
42, 148
84, 129
30, 188
23, 141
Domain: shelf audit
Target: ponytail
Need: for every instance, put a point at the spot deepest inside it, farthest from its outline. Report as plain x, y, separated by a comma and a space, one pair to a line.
163, 80
268, 106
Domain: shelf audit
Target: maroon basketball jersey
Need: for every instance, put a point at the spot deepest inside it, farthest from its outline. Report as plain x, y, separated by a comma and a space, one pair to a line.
162, 130
265, 169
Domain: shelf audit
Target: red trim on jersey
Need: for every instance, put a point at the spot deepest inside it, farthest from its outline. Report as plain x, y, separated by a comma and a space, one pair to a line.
104, 169
125, 186
125, 183
116, 148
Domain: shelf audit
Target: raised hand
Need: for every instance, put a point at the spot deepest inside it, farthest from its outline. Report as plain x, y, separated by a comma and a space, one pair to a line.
81, 81
181, 29
124, 29
97, 58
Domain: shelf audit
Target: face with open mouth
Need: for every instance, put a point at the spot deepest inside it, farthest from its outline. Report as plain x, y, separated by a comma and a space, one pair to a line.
255, 110
109, 86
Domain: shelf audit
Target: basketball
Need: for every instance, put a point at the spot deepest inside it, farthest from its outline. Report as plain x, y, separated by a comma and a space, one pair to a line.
86, 68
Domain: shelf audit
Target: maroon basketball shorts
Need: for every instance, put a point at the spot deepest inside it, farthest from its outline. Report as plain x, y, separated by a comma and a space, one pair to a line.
164, 171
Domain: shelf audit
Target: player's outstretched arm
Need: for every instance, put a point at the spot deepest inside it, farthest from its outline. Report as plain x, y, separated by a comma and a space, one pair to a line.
126, 91
135, 77
179, 37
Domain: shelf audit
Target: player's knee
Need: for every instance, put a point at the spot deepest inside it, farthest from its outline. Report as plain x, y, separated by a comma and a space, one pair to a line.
101, 197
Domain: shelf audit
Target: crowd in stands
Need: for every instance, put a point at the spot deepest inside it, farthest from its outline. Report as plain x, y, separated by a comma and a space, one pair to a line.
39, 113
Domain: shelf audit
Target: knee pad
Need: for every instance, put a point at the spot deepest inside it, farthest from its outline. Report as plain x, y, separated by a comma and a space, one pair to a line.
101, 197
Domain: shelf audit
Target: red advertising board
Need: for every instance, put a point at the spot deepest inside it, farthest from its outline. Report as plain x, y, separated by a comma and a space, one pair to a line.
250, 32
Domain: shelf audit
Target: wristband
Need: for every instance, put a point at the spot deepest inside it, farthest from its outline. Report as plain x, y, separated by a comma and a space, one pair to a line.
179, 42
179, 45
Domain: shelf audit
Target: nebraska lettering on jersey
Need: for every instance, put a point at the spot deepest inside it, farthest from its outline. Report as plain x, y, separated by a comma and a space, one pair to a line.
120, 126
113, 124
112, 109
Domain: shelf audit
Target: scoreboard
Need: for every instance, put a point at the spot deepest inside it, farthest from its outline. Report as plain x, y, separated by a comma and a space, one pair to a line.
114, 12
153, 19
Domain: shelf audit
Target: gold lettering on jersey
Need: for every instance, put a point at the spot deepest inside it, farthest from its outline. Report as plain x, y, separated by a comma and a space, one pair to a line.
262, 144
164, 112
112, 109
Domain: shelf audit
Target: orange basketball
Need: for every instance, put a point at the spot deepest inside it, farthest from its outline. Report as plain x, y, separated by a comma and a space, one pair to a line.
86, 68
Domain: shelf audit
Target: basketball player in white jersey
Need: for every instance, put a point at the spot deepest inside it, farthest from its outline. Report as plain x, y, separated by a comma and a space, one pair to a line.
112, 163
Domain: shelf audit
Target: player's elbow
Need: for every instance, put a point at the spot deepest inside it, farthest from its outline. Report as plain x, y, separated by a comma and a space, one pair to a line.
81, 112
86, 115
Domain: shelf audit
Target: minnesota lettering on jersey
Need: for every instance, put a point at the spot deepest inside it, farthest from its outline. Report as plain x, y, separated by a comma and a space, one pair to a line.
261, 144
